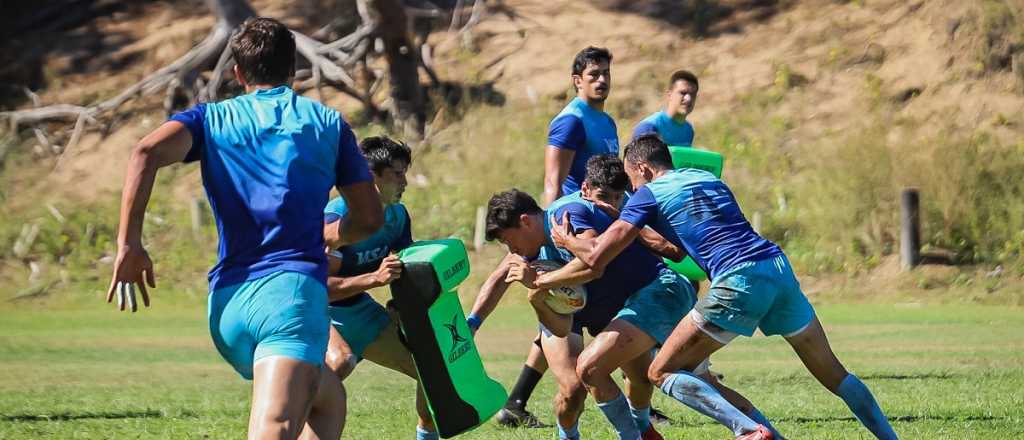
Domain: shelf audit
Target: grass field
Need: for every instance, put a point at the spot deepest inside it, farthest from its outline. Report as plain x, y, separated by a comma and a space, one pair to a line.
951, 372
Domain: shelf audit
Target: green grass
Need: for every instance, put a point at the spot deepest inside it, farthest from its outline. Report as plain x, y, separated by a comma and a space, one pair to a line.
939, 371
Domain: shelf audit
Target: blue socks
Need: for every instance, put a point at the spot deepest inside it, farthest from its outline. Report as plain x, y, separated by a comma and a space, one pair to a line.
572, 433
617, 412
641, 417
862, 403
756, 416
423, 434
693, 392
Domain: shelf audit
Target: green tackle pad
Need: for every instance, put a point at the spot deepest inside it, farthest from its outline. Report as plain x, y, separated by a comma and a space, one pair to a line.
459, 393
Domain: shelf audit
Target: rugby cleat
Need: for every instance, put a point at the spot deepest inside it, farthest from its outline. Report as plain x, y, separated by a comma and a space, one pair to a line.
515, 418
651, 434
659, 417
762, 433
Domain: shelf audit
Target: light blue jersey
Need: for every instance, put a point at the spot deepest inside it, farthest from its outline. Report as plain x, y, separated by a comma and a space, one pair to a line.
694, 209
587, 132
269, 160
670, 131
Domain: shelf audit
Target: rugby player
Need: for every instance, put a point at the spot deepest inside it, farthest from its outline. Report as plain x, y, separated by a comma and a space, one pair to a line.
362, 327
269, 159
752, 283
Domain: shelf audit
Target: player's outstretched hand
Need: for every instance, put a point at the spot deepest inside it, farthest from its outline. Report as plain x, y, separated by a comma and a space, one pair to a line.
132, 269
561, 232
522, 272
390, 269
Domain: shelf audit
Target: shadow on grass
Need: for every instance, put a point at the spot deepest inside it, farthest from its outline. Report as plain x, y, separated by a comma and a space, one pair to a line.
890, 376
66, 416
906, 419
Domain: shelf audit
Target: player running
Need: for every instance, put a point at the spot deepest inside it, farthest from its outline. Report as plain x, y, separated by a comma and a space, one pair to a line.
362, 328
620, 310
670, 123
752, 283
581, 130
269, 159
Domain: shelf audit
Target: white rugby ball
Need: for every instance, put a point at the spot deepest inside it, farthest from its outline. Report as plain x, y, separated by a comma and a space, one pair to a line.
564, 300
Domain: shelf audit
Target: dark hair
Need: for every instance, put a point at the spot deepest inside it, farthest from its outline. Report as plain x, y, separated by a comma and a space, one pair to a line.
605, 171
590, 55
264, 50
651, 149
504, 209
683, 75
382, 152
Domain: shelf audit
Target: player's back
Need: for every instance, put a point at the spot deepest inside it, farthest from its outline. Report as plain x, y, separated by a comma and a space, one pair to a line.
700, 212
268, 160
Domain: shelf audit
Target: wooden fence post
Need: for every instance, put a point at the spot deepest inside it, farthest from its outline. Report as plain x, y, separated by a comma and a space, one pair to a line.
478, 232
910, 229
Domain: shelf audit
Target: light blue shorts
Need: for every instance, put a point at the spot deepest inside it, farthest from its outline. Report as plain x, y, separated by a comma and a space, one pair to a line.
359, 323
281, 314
659, 306
758, 294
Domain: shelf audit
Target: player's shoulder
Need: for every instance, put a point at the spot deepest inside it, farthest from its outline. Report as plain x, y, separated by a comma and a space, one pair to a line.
399, 212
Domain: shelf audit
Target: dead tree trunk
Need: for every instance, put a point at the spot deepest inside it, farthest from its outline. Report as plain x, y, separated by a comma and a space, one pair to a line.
407, 100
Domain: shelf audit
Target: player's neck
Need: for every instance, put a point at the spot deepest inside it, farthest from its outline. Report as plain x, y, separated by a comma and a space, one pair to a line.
249, 88
675, 116
592, 103
659, 173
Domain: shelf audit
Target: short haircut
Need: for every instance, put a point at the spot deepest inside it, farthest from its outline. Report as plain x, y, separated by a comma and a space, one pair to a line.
651, 149
683, 75
590, 55
264, 50
606, 171
504, 209
382, 152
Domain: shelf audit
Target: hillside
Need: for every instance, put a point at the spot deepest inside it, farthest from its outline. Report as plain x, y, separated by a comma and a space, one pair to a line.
824, 109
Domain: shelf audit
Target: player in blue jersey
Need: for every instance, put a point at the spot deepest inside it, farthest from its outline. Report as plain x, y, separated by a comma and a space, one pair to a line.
670, 123
632, 305
363, 329
269, 159
581, 130
752, 284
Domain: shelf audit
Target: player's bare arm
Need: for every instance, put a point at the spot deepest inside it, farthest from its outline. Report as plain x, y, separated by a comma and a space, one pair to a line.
339, 288
557, 162
363, 201
595, 252
661, 247
493, 289
166, 145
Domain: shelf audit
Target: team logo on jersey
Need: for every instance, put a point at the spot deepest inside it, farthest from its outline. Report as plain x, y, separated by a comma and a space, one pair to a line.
460, 345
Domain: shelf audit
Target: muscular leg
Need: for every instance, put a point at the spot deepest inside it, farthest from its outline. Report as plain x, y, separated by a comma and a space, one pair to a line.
387, 351
685, 349
561, 355
812, 346
282, 393
339, 360
533, 370
619, 343
327, 416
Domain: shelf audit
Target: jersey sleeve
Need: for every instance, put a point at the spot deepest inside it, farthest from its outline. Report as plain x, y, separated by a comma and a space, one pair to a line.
580, 217
404, 238
644, 127
641, 209
194, 120
567, 132
351, 166
335, 210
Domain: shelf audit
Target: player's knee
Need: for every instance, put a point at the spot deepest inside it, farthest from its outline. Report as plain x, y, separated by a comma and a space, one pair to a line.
590, 370
341, 364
